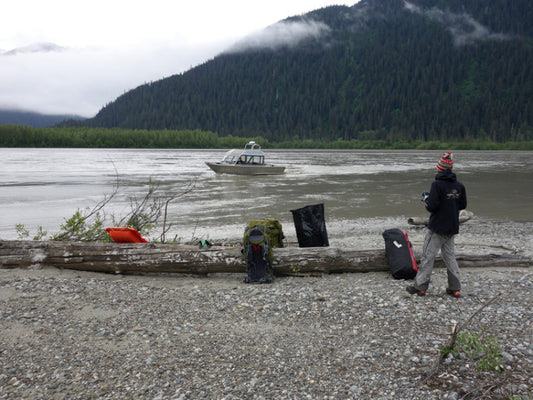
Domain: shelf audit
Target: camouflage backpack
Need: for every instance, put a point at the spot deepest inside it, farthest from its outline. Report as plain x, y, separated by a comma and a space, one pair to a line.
258, 255
274, 230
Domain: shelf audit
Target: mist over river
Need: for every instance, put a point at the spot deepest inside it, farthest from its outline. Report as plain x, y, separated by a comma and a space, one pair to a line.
43, 187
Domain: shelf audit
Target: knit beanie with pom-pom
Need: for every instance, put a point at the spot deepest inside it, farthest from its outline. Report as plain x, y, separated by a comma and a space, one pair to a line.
445, 162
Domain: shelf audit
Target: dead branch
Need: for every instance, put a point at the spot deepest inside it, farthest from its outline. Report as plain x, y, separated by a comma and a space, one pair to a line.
166, 228
76, 224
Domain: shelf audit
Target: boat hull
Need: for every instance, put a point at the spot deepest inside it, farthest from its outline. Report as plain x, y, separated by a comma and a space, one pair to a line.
245, 169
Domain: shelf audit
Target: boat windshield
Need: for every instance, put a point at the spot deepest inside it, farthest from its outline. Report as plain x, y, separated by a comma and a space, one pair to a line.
231, 157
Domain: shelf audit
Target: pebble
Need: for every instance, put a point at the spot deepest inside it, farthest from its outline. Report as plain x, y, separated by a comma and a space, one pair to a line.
216, 337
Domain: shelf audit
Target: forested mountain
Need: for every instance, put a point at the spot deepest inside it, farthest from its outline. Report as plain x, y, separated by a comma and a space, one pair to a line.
418, 69
33, 119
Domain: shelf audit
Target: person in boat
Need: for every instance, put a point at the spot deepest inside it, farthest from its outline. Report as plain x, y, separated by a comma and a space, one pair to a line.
446, 199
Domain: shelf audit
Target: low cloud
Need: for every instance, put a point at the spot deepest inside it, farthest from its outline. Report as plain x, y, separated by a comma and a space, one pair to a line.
464, 28
282, 34
52, 79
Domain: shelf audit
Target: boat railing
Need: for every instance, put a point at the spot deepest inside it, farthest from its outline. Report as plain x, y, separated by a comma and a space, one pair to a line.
251, 146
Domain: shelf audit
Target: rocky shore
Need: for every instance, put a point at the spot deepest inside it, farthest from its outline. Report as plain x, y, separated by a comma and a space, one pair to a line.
83, 335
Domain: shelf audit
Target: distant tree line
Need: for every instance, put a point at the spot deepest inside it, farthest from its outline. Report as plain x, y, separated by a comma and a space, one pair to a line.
25, 136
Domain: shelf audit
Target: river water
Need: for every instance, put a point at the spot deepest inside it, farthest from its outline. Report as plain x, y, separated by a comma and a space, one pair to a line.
43, 187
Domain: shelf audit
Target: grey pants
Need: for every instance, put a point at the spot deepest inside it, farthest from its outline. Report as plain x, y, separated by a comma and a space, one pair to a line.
432, 244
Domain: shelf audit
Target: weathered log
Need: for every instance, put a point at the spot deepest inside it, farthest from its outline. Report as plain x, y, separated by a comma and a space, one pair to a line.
464, 216
170, 258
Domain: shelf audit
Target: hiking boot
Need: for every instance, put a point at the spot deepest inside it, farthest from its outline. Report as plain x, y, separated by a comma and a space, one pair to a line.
454, 293
413, 290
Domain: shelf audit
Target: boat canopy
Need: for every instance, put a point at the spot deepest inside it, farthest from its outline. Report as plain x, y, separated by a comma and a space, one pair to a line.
252, 154
249, 161
252, 146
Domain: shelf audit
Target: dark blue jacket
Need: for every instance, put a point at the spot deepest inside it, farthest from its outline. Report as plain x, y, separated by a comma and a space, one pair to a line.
446, 198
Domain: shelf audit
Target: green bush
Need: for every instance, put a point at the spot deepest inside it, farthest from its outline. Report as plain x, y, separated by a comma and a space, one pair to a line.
484, 351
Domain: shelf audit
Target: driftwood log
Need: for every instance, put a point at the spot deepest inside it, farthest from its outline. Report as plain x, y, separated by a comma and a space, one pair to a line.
464, 216
142, 258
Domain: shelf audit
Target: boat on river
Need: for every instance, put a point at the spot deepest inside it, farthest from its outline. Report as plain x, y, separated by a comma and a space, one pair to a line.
249, 161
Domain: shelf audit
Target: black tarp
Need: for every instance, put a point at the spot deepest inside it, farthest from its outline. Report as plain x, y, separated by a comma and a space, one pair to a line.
310, 224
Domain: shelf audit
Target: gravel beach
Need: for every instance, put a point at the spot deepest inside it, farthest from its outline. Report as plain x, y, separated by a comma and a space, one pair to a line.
82, 335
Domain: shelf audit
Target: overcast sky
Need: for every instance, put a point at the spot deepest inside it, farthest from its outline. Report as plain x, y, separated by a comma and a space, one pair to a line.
107, 47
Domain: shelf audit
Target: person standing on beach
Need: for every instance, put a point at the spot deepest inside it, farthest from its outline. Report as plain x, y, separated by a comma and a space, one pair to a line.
446, 198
